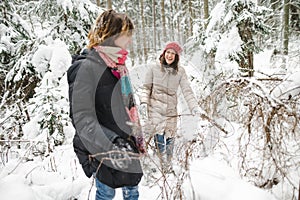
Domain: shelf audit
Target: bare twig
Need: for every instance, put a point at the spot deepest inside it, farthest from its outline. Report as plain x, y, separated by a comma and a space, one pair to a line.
21, 158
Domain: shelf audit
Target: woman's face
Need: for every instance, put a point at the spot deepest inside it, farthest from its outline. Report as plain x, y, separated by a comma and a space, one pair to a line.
123, 41
170, 56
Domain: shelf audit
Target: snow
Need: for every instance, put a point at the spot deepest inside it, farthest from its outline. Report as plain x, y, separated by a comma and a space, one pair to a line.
288, 88
229, 45
9, 192
216, 180
56, 55
263, 59
28, 174
217, 14
59, 175
66, 5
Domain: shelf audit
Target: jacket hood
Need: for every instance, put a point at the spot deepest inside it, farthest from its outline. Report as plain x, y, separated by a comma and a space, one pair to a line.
80, 56
76, 61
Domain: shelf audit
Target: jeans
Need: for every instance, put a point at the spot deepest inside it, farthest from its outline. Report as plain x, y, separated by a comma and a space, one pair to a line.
164, 146
105, 192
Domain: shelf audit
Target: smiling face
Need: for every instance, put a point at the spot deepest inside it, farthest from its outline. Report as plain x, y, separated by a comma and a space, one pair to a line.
170, 56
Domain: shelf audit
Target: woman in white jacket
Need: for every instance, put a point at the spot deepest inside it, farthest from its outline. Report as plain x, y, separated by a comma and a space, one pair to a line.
159, 98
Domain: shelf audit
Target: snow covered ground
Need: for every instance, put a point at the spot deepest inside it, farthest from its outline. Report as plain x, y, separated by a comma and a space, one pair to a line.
59, 176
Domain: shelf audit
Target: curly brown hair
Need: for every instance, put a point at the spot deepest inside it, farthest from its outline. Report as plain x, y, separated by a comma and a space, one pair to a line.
164, 63
108, 26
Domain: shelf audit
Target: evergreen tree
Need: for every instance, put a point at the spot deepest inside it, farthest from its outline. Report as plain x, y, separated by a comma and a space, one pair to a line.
25, 26
235, 24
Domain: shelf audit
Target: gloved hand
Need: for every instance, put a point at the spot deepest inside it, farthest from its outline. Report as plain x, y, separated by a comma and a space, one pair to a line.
198, 111
144, 111
120, 157
122, 145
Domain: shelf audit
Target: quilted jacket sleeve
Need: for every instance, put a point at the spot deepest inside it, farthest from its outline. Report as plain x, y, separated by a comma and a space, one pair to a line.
147, 86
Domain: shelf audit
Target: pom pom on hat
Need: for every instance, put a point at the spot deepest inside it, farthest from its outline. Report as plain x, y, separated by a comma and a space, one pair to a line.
175, 46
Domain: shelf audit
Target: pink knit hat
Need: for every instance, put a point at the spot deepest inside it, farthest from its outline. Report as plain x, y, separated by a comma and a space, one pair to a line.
175, 46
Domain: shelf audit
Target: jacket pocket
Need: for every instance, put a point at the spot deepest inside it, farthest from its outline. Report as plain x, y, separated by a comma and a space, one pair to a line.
89, 165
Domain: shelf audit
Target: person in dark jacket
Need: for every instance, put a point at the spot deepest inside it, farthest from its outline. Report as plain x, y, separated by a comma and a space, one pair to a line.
108, 140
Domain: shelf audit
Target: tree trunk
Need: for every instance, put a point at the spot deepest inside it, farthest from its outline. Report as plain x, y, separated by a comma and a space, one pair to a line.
163, 18
246, 33
154, 25
171, 24
210, 57
109, 4
190, 18
246, 58
98, 3
145, 52
286, 14
274, 4
178, 21
295, 15
299, 191
206, 14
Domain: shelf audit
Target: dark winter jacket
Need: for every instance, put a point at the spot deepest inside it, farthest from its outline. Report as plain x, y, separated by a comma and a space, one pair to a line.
99, 117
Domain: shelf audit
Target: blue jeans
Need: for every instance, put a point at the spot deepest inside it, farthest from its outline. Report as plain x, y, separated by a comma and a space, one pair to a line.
164, 146
104, 192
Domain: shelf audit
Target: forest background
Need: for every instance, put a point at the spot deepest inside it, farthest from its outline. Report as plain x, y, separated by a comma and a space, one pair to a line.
221, 41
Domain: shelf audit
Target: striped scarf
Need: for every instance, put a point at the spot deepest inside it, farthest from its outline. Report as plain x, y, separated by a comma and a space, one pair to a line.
114, 58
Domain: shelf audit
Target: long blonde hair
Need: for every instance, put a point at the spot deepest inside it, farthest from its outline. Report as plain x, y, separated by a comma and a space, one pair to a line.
108, 26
